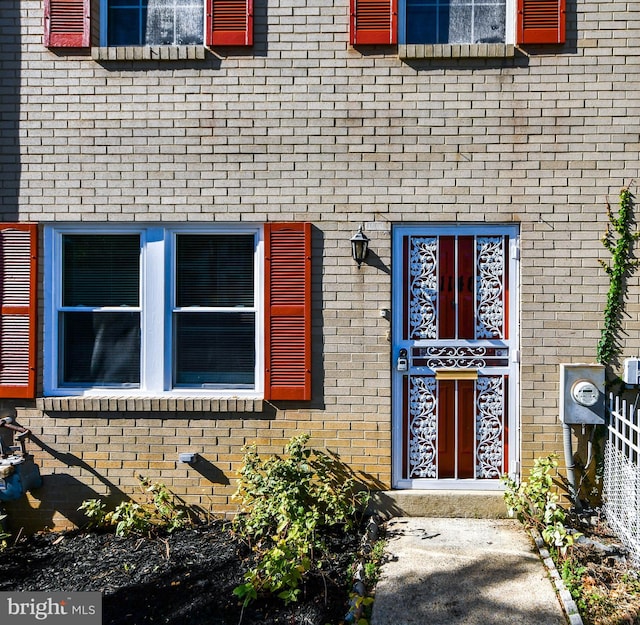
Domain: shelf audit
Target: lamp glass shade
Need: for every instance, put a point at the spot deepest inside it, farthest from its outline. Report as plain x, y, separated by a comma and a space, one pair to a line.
359, 246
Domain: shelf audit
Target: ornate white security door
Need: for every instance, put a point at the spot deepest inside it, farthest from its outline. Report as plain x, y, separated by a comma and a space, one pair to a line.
455, 355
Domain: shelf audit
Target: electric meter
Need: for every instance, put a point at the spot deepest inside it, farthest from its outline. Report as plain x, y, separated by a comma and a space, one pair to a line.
585, 393
582, 394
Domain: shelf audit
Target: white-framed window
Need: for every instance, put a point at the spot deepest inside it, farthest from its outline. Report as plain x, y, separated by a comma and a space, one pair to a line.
456, 21
154, 311
152, 22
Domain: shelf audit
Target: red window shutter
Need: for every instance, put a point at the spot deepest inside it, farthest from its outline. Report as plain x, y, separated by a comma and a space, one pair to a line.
229, 22
541, 21
18, 275
288, 311
67, 23
374, 22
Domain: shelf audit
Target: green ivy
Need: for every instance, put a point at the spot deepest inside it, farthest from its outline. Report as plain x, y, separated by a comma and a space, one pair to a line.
618, 241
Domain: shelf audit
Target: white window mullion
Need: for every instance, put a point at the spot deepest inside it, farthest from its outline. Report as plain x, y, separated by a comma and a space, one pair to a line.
153, 298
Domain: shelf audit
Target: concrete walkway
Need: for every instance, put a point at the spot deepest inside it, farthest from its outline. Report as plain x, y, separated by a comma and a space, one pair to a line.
463, 572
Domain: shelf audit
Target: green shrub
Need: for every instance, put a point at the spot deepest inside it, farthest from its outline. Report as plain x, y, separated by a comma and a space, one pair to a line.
284, 502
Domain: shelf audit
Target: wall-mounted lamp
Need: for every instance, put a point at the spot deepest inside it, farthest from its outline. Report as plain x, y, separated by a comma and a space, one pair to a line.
359, 246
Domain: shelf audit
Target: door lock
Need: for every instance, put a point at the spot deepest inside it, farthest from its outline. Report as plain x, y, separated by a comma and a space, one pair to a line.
402, 364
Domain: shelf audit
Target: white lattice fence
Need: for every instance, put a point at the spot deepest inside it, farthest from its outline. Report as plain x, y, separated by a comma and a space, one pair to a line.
622, 475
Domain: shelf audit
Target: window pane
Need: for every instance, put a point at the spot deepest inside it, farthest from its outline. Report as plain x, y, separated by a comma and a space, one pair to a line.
160, 24
99, 348
214, 348
190, 24
489, 24
215, 270
422, 27
460, 21
174, 22
101, 270
125, 26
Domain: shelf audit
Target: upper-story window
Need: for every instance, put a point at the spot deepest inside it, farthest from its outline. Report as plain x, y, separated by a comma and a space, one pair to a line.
454, 21
153, 22
457, 22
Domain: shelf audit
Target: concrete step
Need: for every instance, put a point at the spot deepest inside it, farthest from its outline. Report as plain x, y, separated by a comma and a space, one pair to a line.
439, 504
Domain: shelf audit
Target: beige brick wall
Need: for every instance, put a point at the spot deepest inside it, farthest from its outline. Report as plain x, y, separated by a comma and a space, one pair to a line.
303, 127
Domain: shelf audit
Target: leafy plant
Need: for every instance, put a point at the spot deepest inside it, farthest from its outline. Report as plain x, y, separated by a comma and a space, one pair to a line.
535, 503
572, 574
167, 512
622, 265
96, 511
284, 502
373, 563
130, 517
158, 512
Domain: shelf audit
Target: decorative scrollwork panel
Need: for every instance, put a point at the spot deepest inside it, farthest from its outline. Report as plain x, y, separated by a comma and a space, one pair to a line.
423, 287
423, 429
490, 420
490, 287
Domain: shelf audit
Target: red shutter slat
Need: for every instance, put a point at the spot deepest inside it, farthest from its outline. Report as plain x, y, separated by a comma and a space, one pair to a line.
374, 22
230, 22
288, 311
66, 23
18, 275
541, 21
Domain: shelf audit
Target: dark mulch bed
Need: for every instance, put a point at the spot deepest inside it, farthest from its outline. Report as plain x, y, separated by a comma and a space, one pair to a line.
184, 577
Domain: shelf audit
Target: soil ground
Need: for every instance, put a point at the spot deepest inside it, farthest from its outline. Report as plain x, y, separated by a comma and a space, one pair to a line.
600, 575
184, 577
189, 576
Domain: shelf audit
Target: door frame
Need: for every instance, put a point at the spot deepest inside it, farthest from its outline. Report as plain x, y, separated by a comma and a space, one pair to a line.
397, 289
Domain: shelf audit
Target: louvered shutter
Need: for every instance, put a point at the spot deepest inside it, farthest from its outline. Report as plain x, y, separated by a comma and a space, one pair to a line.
374, 22
67, 23
229, 22
18, 277
541, 21
288, 311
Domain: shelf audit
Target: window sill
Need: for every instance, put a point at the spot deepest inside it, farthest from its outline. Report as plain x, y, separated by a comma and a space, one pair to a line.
149, 53
148, 404
457, 51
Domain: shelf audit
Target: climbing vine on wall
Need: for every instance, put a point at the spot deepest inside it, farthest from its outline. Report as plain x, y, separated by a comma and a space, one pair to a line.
618, 241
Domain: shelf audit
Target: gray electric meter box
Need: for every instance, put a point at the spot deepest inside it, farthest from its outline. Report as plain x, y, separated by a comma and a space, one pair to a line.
582, 394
